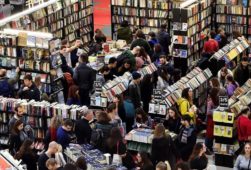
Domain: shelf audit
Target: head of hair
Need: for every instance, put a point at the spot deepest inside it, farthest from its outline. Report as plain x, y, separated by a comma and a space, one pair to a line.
175, 110
140, 34
72, 92
70, 166
182, 166
105, 68
196, 150
140, 111
127, 61
214, 95
103, 117
25, 148
212, 34
81, 163
124, 23
147, 79
53, 144
142, 53
112, 60
162, 72
185, 93
17, 107
245, 111
15, 129
64, 42
51, 162
152, 34
68, 122
224, 70
120, 97
115, 137
230, 78
215, 82
186, 118
163, 165
163, 56
28, 77
157, 48
98, 31
163, 26
236, 34
220, 30
145, 158
37, 80
98, 39
84, 57
111, 107
243, 151
159, 131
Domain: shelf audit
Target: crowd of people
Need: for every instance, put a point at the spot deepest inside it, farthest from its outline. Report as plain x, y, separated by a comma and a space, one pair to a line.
131, 107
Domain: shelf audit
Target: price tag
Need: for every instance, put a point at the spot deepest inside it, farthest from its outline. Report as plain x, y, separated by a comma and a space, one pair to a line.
223, 101
97, 86
157, 94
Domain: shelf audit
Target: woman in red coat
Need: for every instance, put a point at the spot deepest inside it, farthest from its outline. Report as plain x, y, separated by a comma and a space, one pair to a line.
212, 103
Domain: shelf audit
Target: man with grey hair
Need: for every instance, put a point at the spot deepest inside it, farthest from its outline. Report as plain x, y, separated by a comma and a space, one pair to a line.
52, 149
83, 129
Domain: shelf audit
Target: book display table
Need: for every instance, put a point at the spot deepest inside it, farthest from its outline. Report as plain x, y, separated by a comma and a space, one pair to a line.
95, 159
141, 139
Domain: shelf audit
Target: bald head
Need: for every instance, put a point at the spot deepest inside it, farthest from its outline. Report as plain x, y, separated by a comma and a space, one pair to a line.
53, 147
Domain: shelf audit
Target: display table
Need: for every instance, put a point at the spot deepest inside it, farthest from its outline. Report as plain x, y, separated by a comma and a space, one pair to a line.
95, 159
7, 162
141, 139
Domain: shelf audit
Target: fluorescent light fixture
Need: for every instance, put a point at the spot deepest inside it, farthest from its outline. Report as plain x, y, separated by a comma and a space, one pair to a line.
30, 33
26, 12
187, 3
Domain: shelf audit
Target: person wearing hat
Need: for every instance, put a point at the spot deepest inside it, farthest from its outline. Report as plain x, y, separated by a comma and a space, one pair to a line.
134, 89
186, 138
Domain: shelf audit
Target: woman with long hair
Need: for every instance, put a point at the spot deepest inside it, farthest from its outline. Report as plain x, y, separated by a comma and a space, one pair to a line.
144, 56
231, 85
185, 103
73, 95
163, 78
173, 120
163, 143
243, 161
222, 74
27, 155
212, 103
16, 135
144, 163
198, 159
142, 120
116, 145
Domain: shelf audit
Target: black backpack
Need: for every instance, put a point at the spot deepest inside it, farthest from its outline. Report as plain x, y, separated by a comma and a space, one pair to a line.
5, 89
97, 137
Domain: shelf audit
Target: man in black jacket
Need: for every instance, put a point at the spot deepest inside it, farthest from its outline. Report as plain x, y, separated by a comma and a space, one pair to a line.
84, 77
164, 39
134, 89
83, 129
186, 138
29, 90
243, 71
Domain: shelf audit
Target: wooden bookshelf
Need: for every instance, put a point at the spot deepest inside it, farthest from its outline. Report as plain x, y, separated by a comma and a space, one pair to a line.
148, 15
190, 26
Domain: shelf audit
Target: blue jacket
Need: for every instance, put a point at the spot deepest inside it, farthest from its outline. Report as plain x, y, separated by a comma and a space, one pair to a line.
63, 137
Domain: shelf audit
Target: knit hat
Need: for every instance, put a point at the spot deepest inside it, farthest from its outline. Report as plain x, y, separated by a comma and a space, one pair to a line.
135, 75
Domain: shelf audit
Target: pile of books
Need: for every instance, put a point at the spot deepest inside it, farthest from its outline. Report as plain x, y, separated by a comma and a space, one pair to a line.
224, 149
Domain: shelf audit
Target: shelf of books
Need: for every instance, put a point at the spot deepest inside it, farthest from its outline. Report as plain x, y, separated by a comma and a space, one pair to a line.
232, 16
148, 15
196, 80
70, 19
190, 26
231, 50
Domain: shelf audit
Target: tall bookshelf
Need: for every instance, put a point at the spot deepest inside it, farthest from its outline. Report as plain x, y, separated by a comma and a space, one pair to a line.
190, 26
148, 15
70, 19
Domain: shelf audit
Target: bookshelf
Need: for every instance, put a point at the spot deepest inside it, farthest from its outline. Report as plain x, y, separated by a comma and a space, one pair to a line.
148, 15
190, 26
70, 19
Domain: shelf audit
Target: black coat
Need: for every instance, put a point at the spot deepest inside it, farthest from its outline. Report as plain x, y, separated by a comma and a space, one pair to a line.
15, 143
241, 74
31, 93
42, 161
166, 147
84, 77
134, 93
30, 160
173, 125
199, 163
83, 131
164, 40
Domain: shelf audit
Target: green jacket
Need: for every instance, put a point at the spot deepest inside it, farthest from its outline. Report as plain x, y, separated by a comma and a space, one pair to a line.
124, 33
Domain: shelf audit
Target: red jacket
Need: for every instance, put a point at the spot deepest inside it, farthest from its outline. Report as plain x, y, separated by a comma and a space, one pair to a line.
244, 128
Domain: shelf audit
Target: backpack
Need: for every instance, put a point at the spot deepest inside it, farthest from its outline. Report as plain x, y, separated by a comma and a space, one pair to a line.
5, 89
97, 137
129, 109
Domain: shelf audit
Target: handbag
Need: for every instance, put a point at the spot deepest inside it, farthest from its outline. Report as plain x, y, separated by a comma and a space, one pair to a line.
117, 160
